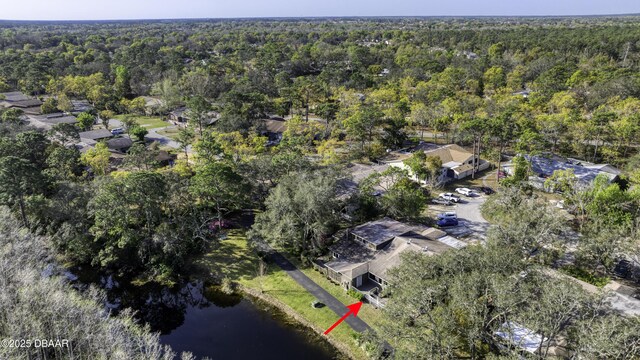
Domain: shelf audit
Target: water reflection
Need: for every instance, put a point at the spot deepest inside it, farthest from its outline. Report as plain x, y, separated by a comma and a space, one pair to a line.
203, 320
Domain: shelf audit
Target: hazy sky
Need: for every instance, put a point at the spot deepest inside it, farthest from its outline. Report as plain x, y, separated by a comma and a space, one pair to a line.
171, 9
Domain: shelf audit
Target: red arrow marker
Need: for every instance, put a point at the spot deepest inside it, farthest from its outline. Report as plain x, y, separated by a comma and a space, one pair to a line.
353, 309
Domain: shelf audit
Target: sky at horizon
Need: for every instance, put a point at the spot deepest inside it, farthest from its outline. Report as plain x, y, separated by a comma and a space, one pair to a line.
172, 9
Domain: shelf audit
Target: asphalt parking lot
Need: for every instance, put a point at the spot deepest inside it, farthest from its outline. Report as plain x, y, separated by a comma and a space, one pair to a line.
472, 225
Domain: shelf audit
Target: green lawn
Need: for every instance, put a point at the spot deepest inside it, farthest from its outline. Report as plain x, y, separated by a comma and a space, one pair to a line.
171, 133
149, 122
234, 259
368, 313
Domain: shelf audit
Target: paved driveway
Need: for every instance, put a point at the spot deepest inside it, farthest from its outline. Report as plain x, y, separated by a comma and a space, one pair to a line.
321, 294
153, 135
468, 210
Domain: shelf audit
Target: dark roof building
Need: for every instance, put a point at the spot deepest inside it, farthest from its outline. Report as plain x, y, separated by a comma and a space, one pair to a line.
96, 134
49, 120
362, 258
13, 96
81, 106
18, 100
121, 144
24, 103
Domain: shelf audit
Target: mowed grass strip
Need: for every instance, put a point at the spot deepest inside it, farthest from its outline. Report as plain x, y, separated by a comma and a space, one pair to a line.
148, 122
234, 259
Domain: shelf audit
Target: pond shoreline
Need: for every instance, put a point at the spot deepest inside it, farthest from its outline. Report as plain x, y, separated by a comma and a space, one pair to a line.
286, 309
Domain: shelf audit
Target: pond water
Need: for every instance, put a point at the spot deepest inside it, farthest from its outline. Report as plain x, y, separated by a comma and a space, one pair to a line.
208, 323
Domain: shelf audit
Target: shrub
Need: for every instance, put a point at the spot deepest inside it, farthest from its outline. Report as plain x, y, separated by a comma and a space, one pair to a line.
355, 294
586, 276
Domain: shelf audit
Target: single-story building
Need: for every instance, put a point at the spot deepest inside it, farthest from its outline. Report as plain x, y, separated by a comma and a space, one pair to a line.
96, 135
272, 129
13, 96
181, 115
362, 257
80, 106
543, 166
356, 173
457, 162
121, 144
18, 100
47, 121
152, 105
165, 159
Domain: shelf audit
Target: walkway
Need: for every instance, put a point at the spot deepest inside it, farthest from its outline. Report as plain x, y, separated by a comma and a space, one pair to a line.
321, 294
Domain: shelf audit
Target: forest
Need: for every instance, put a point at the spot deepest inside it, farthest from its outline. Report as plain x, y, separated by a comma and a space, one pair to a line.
352, 90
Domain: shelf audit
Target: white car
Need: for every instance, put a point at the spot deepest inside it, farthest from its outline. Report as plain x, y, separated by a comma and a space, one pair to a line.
117, 131
449, 196
465, 191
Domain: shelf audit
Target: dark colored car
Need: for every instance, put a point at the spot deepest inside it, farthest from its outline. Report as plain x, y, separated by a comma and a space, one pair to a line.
486, 190
445, 222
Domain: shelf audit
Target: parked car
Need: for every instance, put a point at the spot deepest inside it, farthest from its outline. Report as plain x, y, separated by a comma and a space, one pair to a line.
447, 215
441, 201
449, 197
117, 131
446, 222
465, 191
486, 190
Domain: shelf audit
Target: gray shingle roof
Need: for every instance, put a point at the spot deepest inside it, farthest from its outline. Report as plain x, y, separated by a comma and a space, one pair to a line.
14, 96
381, 231
546, 166
96, 134
119, 143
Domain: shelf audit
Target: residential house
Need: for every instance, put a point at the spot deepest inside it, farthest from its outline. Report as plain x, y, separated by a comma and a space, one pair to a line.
96, 135
152, 105
348, 185
80, 106
457, 162
543, 166
13, 96
163, 158
121, 144
273, 129
363, 256
181, 115
18, 100
356, 173
48, 121
89, 139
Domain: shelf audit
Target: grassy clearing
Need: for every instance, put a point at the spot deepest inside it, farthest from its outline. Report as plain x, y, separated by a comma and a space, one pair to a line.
149, 122
234, 259
477, 182
282, 287
170, 133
